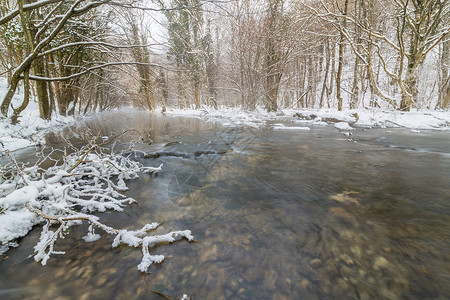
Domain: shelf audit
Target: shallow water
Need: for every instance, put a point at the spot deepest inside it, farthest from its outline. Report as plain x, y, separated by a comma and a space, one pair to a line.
278, 214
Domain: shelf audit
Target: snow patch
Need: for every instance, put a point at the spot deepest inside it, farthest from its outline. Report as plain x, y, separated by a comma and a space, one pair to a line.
343, 126
31, 128
367, 118
16, 224
283, 127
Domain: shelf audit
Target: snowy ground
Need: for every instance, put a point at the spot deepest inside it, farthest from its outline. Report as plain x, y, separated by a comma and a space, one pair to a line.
343, 120
31, 128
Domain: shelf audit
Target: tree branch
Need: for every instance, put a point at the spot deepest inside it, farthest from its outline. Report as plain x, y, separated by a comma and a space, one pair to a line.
14, 13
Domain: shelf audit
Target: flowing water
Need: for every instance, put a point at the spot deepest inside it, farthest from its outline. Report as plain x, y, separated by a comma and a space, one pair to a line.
278, 215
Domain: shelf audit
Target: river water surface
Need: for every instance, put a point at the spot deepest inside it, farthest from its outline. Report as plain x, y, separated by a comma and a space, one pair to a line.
278, 215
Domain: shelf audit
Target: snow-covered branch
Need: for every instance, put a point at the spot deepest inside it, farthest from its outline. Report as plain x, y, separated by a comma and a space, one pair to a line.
44, 53
14, 13
90, 69
62, 196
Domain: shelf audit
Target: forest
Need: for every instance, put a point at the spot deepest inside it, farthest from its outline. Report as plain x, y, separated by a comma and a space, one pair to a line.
83, 56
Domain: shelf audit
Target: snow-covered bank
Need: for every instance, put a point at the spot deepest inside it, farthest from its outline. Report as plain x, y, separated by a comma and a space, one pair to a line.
368, 118
31, 129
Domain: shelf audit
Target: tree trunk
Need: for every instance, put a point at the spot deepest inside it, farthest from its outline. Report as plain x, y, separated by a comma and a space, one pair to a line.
411, 85
444, 80
327, 69
41, 90
332, 73
26, 99
10, 93
148, 94
355, 89
197, 90
446, 102
54, 86
272, 59
341, 58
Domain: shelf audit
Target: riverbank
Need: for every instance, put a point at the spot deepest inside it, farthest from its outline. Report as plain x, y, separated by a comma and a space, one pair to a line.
31, 128
367, 118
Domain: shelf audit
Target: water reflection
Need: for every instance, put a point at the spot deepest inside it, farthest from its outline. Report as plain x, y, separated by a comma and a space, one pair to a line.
279, 215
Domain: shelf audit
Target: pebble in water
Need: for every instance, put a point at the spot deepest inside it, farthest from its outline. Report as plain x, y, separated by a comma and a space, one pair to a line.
380, 262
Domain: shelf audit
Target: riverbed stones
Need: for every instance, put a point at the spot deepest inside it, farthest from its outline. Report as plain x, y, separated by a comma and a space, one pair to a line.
315, 263
85, 296
340, 212
210, 253
346, 198
101, 281
269, 279
284, 284
303, 284
356, 250
342, 283
61, 298
380, 263
198, 279
87, 273
346, 259
330, 266
254, 274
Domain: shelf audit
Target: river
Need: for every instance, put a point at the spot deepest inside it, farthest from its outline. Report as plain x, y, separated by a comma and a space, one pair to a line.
278, 214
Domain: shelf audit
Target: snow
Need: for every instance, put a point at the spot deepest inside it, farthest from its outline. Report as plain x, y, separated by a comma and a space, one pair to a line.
91, 236
134, 239
367, 118
15, 224
20, 197
149, 241
27, 200
31, 128
228, 116
415, 119
284, 127
343, 126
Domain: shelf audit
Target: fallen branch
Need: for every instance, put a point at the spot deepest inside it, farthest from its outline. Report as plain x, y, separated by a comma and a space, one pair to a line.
81, 159
19, 169
162, 295
62, 199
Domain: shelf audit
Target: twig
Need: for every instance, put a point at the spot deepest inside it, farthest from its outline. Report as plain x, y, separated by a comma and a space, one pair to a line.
16, 165
162, 295
118, 169
72, 218
395, 124
79, 161
301, 97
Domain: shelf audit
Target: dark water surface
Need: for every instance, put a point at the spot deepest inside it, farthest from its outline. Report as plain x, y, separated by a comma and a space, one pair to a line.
278, 214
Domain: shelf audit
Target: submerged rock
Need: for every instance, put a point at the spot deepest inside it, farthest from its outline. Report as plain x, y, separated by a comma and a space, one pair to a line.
380, 262
315, 263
